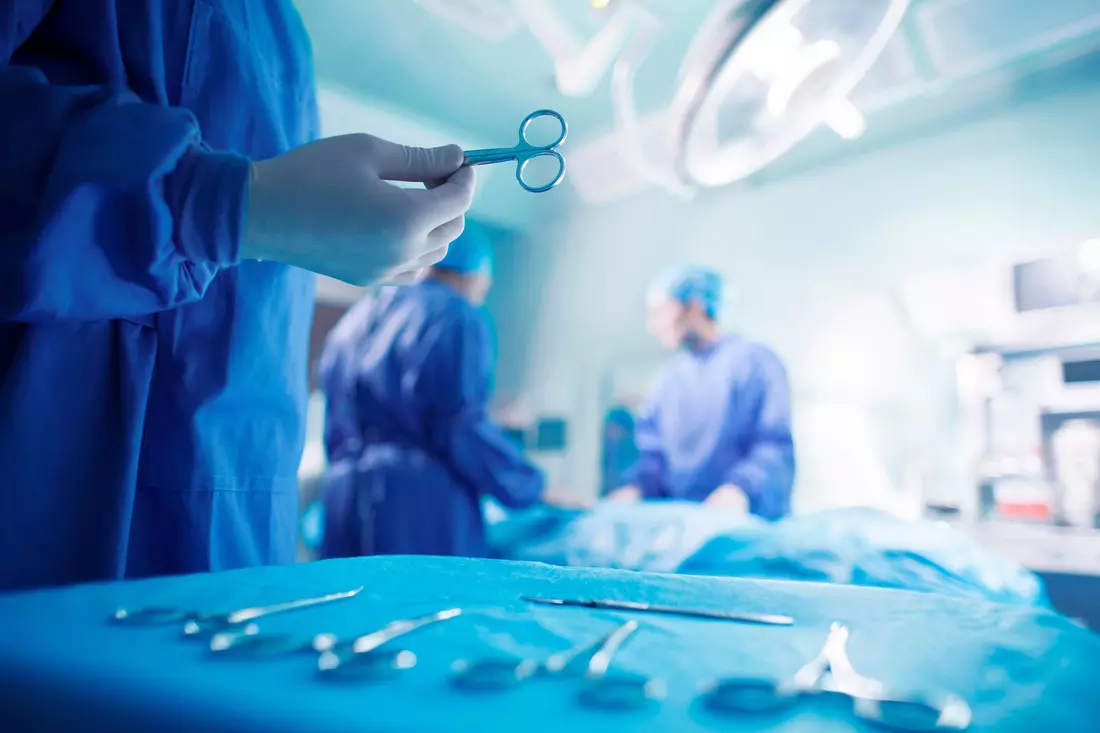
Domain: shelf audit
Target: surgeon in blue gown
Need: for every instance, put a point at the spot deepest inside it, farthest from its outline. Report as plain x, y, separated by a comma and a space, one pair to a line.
717, 426
407, 376
162, 196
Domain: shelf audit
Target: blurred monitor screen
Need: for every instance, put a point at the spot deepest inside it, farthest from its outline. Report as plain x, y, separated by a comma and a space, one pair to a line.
1054, 282
550, 434
1081, 372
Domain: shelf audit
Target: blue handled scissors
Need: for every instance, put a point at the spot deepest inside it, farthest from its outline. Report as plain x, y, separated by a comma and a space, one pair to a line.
525, 151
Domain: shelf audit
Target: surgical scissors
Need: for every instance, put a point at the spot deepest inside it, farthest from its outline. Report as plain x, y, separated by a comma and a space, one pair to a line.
601, 689
525, 151
767, 619
358, 655
200, 622
498, 673
622, 689
831, 672
251, 641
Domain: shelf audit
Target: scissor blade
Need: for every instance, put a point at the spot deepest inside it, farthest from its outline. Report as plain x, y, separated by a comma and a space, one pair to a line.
247, 614
601, 660
768, 619
394, 629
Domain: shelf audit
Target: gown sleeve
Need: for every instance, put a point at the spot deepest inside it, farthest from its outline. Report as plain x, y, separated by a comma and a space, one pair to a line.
111, 208
766, 472
475, 447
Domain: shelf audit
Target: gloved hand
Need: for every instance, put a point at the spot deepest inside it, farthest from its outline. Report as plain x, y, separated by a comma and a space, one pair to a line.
327, 207
564, 499
624, 495
730, 498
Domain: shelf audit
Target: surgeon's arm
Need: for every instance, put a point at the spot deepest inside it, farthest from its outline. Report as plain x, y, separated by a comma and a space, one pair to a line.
475, 447
648, 470
766, 473
110, 208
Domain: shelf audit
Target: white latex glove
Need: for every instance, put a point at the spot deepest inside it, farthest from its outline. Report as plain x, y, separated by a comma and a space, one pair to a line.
624, 495
327, 207
729, 497
403, 277
559, 497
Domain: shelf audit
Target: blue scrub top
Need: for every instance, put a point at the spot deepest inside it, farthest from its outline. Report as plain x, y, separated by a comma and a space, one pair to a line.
407, 381
154, 387
721, 415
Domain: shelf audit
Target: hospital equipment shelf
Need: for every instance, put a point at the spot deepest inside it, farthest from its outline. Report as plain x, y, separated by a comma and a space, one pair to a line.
1068, 561
1041, 548
64, 667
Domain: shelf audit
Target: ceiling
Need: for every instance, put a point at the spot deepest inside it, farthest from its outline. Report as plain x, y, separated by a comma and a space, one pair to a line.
401, 55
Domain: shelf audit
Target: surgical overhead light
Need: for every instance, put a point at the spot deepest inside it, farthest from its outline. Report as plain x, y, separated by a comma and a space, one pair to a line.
1088, 256
580, 63
758, 77
493, 20
776, 70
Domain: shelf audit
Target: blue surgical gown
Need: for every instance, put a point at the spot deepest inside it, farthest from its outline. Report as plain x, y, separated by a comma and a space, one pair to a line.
620, 451
154, 386
718, 416
411, 448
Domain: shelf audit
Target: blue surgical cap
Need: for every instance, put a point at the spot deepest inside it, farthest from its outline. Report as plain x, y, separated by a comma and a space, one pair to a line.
471, 253
690, 285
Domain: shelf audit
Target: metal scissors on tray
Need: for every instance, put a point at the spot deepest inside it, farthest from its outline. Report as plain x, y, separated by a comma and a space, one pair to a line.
767, 619
360, 657
831, 672
525, 151
590, 662
196, 623
250, 641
